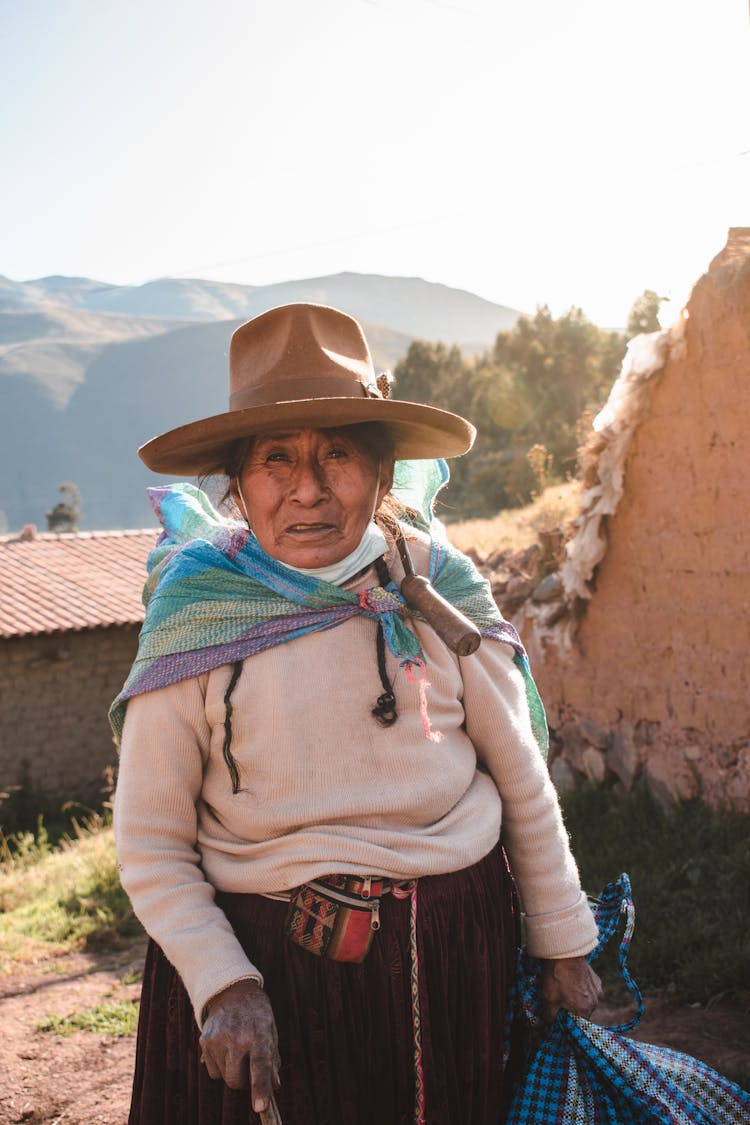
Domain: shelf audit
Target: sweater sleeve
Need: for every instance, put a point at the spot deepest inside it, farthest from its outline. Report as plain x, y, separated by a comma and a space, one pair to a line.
558, 920
164, 745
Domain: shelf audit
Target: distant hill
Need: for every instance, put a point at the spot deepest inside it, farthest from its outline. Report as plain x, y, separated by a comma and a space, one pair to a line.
417, 308
89, 371
55, 344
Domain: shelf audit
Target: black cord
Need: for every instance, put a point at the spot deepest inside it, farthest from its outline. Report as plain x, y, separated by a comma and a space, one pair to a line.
385, 709
226, 750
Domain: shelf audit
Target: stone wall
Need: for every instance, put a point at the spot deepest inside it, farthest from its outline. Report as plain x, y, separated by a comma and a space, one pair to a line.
56, 691
658, 663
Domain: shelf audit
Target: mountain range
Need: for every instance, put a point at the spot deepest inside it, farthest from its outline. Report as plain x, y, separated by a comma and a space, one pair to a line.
89, 371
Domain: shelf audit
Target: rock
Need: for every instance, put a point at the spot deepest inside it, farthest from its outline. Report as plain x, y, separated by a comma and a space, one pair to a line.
518, 589
519, 586
624, 757
668, 785
573, 744
727, 756
645, 729
692, 753
527, 559
594, 734
499, 584
497, 559
738, 793
549, 588
594, 765
738, 787
562, 776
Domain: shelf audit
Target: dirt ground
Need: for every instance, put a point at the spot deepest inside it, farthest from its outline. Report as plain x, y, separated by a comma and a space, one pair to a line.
81, 1079
84, 1079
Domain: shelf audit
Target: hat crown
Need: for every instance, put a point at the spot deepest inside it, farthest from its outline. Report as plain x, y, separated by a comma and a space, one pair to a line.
299, 351
303, 366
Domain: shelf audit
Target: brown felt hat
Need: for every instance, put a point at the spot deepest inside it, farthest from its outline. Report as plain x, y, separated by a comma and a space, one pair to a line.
304, 366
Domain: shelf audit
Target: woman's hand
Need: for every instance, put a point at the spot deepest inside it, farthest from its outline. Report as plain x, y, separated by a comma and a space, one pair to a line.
239, 1041
570, 983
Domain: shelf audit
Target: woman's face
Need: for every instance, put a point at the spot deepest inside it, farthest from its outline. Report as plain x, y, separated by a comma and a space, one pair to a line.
308, 495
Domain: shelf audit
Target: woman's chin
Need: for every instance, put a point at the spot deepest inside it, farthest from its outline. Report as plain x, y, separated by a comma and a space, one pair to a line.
310, 552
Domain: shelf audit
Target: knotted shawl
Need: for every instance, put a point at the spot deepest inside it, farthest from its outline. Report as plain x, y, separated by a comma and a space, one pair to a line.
214, 596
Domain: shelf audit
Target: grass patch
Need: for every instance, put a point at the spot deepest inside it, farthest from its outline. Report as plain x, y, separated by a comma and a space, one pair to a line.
690, 873
113, 1017
23, 849
29, 818
56, 900
516, 528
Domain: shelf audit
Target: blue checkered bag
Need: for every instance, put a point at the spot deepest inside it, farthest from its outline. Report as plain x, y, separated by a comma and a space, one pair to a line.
582, 1074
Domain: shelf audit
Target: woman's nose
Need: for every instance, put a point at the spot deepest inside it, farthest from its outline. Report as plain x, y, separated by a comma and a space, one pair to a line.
308, 484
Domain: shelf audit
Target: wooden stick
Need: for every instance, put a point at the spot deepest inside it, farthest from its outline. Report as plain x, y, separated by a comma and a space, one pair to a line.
458, 633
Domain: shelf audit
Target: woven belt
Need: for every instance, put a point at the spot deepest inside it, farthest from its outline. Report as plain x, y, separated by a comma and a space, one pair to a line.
287, 896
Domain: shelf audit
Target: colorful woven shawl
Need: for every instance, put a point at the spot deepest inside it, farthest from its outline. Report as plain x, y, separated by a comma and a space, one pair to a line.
213, 596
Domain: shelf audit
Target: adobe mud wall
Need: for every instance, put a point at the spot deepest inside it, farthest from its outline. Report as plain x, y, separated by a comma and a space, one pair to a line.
667, 634
56, 691
662, 652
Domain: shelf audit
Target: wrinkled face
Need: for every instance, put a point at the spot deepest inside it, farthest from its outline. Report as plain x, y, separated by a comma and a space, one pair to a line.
308, 495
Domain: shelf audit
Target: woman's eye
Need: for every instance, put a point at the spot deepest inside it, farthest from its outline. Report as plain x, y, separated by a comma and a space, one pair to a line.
337, 452
275, 456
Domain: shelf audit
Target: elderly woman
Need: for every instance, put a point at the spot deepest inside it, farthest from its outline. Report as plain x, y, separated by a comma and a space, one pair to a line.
316, 767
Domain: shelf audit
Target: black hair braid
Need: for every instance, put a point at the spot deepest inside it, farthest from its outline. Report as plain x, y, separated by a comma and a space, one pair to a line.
226, 749
385, 709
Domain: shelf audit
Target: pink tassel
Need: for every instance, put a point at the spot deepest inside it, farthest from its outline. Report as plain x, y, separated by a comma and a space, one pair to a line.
421, 681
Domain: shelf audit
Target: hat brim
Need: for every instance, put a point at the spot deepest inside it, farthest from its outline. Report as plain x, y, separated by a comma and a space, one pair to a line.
200, 448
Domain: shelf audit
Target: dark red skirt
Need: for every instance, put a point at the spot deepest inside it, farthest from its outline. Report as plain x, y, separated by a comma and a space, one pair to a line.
345, 1031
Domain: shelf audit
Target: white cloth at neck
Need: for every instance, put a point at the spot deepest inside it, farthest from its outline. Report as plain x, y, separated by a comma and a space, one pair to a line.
371, 546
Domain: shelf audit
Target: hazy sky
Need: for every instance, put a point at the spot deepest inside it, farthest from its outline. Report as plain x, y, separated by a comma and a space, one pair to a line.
558, 151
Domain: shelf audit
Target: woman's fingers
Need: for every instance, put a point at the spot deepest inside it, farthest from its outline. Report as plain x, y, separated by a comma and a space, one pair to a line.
262, 1070
570, 983
214, 1070
239, 1041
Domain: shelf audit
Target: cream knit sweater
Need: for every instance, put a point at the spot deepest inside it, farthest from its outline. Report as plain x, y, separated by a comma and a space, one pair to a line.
324, 788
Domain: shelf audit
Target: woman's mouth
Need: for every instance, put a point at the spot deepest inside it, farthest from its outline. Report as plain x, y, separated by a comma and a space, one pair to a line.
309, 529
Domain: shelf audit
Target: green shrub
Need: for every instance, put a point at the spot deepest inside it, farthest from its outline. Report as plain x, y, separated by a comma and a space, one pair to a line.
690, 873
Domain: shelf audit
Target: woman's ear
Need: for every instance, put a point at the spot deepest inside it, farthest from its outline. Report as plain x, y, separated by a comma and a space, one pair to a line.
386, 481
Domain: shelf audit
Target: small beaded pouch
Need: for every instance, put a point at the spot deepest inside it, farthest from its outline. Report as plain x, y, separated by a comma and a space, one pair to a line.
336, 916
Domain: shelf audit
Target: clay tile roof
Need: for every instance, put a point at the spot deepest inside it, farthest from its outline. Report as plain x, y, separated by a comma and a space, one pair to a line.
51, 583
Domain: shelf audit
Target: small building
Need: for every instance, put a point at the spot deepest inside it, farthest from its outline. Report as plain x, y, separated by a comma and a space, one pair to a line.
70, 613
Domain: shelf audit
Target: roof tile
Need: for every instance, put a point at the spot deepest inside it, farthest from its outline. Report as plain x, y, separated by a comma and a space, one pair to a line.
85, 580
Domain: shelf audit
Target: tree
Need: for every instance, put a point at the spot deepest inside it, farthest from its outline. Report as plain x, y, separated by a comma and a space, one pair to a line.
66, 512
546, 373
644, 315
430, 371
531, 388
